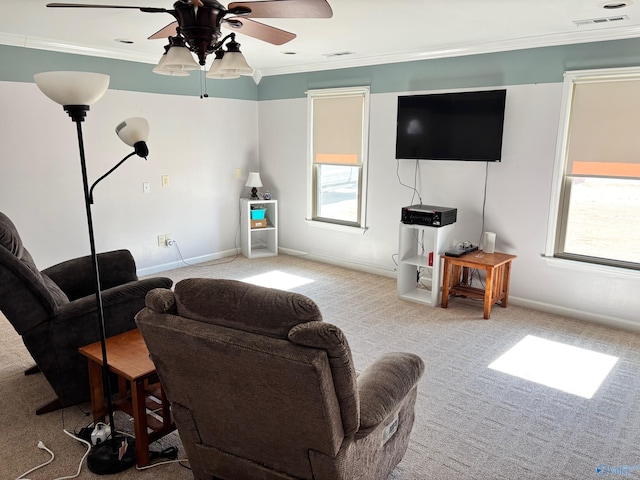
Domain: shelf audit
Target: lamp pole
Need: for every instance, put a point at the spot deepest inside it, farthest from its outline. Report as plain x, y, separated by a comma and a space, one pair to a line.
109, 457
77, 114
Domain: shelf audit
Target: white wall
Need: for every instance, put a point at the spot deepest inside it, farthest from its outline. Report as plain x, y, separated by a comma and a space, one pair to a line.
199, 143
517, 202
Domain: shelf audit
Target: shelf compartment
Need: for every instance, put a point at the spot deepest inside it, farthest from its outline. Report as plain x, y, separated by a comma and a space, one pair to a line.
419, 261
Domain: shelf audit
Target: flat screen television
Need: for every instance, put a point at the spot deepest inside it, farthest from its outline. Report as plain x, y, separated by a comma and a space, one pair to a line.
451, 126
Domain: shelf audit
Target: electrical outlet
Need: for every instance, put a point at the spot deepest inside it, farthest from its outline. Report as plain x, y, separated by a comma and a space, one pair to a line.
162, 240
165, 180
167, 240
146, 187
238, 173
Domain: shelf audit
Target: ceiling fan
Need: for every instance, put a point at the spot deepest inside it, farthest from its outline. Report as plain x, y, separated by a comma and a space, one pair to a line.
198, 22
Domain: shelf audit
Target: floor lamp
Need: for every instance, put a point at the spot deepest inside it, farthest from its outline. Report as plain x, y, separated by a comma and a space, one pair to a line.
76, 91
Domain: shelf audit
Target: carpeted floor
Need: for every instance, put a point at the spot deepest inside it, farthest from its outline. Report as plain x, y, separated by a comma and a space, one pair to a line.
472, 422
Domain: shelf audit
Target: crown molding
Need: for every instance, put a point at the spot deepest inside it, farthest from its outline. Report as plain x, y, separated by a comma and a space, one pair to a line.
538, 41
54, 46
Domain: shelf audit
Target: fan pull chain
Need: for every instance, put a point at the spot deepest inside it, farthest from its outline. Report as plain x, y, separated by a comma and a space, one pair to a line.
203, 80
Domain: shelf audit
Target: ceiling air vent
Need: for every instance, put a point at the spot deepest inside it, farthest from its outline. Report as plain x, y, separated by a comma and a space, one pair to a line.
595, 21
338, 54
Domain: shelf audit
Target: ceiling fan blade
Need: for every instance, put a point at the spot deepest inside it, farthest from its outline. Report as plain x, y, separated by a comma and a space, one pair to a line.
258, 30
286, 9
89, 5
166, 32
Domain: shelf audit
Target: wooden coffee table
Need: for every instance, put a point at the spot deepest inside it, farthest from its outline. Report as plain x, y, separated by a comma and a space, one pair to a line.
140, 395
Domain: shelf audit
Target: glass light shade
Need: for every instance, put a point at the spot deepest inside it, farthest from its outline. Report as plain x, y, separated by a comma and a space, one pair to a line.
234, 62
253, 180
179, 59
72, 88
216, 72
160, 69
133, 130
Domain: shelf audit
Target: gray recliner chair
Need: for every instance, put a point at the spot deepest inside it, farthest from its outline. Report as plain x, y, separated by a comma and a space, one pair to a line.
261, 388
54, 310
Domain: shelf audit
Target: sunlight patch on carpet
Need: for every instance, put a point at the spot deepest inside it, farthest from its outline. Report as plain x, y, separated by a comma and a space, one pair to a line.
278, 279
571, 369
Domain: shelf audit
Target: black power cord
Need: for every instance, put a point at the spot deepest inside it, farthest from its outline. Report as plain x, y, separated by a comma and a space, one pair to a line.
170, 453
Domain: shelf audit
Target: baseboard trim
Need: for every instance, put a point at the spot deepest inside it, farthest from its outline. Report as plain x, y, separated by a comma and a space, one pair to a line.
583, 315
340, 262
145, 272
606, 320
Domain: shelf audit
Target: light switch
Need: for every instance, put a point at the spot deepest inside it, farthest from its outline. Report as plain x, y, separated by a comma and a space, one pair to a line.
146, 187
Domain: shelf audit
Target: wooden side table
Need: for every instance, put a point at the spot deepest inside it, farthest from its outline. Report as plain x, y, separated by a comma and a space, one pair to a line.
139, 396
456, 276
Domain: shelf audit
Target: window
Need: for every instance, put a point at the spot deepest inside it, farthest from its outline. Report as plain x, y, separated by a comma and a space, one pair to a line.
338, 134
596, 215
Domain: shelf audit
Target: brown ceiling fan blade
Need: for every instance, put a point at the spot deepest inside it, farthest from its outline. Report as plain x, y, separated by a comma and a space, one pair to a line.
166, 32
89, 5
287, 9
260, 31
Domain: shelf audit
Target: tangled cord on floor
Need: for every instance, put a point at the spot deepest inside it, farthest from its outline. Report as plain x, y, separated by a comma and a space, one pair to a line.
170, 453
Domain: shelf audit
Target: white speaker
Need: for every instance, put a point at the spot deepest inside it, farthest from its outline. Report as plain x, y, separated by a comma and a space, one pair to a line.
488, 242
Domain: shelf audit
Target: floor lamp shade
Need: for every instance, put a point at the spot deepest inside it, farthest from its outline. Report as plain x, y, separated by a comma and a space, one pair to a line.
72, 88
133, 130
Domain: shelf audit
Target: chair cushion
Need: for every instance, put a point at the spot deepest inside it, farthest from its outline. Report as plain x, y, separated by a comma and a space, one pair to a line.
161, 300
58, 295
9, 237
240, 305
330, 338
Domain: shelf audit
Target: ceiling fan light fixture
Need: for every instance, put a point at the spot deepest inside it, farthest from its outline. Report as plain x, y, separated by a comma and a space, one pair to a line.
215, 71
179, 58
235, 62
161, 69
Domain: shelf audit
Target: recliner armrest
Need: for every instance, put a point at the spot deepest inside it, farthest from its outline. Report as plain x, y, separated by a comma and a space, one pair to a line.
383, 386
131, 291
75, 277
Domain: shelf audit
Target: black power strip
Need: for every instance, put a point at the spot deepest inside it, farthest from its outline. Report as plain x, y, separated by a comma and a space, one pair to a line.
459, 251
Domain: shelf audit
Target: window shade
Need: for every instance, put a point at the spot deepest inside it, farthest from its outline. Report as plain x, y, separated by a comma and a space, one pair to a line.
604, 138
337, 129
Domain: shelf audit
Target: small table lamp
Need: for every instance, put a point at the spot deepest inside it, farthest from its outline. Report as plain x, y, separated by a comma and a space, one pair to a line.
254, 182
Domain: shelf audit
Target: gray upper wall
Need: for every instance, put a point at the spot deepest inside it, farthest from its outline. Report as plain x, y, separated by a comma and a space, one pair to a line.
20, 64
528, 66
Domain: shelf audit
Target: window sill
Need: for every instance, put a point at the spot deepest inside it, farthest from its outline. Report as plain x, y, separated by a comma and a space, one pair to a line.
578, 266
336, 227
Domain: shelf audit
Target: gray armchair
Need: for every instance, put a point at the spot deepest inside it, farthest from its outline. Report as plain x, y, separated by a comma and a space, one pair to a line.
261, 388
54, 310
